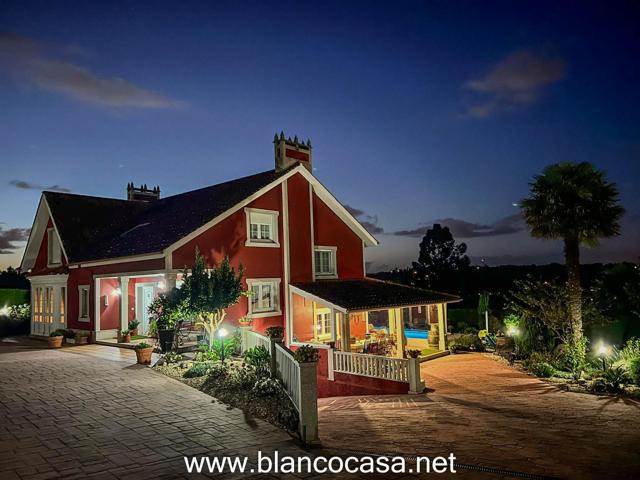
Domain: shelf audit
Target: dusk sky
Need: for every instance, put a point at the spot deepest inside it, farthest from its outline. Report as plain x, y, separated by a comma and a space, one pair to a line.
418, 112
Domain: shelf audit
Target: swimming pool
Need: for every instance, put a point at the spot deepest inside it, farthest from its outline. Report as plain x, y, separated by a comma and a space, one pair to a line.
412, 333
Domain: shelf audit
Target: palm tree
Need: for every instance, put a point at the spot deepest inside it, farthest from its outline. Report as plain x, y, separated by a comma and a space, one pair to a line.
573, 202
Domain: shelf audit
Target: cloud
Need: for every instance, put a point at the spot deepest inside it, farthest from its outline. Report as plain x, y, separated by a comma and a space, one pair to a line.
49, 69
515, 82
9, 237
33, 186
463, 229
370, 222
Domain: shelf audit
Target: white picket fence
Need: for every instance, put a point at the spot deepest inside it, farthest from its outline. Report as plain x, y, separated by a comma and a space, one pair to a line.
288, 371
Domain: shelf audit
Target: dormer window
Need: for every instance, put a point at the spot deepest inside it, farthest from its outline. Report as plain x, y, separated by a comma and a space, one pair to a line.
262, 228
54, 252
325, 262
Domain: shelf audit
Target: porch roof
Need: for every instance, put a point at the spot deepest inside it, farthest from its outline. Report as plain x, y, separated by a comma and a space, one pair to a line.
371, 294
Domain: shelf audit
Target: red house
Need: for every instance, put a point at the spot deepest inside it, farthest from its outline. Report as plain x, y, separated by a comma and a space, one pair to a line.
95, 263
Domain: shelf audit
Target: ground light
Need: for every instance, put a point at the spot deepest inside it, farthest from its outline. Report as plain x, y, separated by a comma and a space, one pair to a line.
603, 351
514, 332
222, 333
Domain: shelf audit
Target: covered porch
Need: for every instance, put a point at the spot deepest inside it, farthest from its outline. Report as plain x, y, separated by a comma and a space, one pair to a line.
122, 299
368, 317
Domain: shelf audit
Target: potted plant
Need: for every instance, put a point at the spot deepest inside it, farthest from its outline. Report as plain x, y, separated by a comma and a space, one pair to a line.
125, 336
143, 353
133, 327
69, 336
55, 339
245, 321
275, 332
413, 353
306, 354
164, 312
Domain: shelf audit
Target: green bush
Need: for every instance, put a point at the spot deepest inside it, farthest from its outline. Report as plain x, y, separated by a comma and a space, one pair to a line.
574, 356
218, 371
243, 378
466, 343
633, 367
306, 354
275, 332
197, 370
266, 387
542, 369
611, 380
57, 333
259, 359
172, 357
206, 356
630, 350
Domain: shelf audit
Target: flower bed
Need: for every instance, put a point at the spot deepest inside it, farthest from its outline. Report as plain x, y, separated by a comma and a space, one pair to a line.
242, 383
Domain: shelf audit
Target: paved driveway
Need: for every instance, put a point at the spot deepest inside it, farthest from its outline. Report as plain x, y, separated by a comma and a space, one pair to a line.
489, 414
88, 411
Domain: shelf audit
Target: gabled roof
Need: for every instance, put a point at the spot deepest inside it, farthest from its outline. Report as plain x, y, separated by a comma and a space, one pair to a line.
98, 228
371, 294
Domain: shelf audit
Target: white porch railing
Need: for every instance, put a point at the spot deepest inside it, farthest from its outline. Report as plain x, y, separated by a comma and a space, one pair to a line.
288, 371
299, 380
252, 339
377, 366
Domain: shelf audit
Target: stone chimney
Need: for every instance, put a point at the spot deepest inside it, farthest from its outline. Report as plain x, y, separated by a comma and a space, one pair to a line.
142, 193
290, 152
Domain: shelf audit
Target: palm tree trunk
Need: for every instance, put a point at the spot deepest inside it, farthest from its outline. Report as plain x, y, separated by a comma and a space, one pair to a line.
572, 261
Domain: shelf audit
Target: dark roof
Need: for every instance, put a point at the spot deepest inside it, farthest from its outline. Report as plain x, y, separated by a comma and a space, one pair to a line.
96, 228
369, 294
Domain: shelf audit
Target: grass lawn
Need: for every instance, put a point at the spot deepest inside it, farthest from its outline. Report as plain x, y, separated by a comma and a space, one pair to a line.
13, 296
138, 337
428, 351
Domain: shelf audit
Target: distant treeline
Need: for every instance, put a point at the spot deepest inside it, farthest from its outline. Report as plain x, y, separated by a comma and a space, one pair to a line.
12, 278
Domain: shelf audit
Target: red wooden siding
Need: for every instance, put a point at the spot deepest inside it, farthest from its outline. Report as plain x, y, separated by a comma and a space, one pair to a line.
329, 230
299, 229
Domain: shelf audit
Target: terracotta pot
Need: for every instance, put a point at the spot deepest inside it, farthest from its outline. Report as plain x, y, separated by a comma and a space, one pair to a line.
55, 342
144, 355
134, 332
126, 338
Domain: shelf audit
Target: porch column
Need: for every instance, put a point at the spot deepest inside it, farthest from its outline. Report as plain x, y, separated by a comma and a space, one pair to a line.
401, 343
124, 303
442, 337
170, 281
346, 333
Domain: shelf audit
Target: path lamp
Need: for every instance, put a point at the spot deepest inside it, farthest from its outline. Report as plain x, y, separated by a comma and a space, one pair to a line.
603, 351
222, 333
514, 332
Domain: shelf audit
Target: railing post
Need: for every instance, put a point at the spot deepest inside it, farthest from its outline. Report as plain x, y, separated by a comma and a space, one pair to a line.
330, 364
273, 364
308, 423
416, 385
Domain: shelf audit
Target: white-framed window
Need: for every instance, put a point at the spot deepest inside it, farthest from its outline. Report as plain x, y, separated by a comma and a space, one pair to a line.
54, 252
264, 300
324, 259
83, 307
262, 227
323, 323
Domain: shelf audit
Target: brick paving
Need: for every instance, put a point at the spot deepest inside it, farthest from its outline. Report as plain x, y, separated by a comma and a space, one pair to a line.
489, 414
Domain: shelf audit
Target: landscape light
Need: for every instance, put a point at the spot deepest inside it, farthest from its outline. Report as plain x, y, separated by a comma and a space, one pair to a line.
513, 331
4, 311
603, 351
222, 333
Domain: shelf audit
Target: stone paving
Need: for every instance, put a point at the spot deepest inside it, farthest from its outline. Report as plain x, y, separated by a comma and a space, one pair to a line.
489, 414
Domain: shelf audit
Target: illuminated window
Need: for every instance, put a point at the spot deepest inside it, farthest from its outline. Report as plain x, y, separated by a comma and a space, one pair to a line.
262, 228
63, 304
83, 296
54, 252
265, 299
325, 261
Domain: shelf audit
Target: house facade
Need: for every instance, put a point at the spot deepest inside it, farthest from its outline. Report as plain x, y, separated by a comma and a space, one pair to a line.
96, 263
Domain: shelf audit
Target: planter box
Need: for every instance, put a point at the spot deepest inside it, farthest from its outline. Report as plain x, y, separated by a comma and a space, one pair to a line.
70, 341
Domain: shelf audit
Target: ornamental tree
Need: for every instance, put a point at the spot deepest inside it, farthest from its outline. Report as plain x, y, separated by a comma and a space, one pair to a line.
207, 293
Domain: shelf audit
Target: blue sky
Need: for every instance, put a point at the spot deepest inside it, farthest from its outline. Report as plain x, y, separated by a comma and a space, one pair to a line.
417, 111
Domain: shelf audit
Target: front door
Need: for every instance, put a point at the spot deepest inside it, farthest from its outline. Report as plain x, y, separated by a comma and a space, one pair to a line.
145, 298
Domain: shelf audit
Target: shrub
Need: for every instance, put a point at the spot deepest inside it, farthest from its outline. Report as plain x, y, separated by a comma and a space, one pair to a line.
266, 387
413, 353
259, 359
172, 357
573, 357
124, 333
630, 350
218, 371
206, 356
141, 345
305, 354
133, 324
611, 380
275, 332
68, 333
243, 378
542, 369
470, 331
633, 366
197, 370
466, 343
